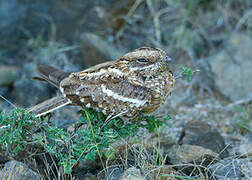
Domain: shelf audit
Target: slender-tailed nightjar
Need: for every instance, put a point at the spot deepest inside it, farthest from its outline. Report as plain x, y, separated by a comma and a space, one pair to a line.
135, 83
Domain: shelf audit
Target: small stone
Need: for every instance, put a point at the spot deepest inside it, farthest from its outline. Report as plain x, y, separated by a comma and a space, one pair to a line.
3, 159
70, 129
191, 155
87, 176
245, 148
202, 134
226, 169
5, 91
8, 74
14, 170
188, 153
131, 174
85, 166
246, 167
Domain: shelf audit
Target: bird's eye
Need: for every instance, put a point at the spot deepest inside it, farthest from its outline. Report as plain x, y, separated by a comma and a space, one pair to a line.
142, 60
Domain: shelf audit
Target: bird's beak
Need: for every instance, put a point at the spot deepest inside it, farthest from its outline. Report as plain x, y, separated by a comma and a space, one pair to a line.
167, 59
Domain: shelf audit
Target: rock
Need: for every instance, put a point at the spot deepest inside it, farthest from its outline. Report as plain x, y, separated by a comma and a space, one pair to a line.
245, 148
131, 174
86, 166
87, 176
186, 154
97, 50
3, 159
232, 67
150, 143
8, 74
6, 93
14, 170
228, 169
65, 116
202, 134
246, 168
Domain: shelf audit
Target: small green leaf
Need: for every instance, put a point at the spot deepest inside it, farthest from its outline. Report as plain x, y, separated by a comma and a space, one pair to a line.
91, 155
187, 72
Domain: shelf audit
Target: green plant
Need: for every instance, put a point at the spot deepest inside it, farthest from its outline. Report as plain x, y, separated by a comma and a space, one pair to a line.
188, 73
242, 118
19, 129
87, 143
15, 130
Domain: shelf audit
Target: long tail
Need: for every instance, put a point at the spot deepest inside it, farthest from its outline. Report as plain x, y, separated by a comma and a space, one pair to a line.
53, 76
49, 106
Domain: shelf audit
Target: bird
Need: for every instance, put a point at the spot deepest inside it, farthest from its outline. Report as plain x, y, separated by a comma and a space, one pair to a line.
136, 83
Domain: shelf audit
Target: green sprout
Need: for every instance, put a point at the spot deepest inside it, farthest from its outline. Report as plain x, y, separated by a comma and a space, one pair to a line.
20, 130
188, 73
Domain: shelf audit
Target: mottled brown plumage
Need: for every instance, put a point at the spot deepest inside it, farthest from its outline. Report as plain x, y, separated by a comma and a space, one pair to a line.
138, 82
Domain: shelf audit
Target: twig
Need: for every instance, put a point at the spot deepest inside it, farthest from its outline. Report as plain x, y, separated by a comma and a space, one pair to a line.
155, 20
134, 7
244, 101
243, 19
126, 18
8, 101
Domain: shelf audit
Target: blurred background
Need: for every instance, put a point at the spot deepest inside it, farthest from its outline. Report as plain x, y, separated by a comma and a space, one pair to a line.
214, 38
211, 36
